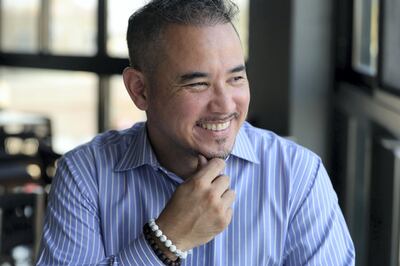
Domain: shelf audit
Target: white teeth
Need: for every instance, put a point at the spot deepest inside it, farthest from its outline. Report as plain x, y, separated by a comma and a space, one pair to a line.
216, 127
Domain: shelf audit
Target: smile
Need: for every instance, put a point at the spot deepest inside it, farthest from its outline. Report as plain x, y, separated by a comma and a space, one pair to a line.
215, 126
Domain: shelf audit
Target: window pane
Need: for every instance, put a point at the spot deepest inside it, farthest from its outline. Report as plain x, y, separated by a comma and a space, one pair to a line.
120, 11
391, 45
124, 113
118, 15
365, 40
242, 25
73, 27
19, 25
67, 98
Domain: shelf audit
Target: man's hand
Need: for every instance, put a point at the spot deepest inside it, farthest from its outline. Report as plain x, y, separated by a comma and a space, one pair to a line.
200, 208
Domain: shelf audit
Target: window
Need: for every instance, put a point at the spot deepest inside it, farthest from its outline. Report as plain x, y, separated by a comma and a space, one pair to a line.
19, 25
242, 24
63, 34
123, 112
73, 27
118, 15
67, 98
365, 36
391, 45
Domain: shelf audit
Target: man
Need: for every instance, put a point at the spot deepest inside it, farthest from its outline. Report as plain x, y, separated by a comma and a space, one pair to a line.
231, 193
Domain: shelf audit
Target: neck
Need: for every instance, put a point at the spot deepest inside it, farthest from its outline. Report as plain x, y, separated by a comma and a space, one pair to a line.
182, 164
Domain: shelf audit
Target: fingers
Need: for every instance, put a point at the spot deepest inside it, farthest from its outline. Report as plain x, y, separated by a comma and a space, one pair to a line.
202, 161
228, 198
220, 184
209, 170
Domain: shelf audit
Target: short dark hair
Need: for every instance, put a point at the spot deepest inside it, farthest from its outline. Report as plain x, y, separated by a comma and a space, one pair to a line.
144, 35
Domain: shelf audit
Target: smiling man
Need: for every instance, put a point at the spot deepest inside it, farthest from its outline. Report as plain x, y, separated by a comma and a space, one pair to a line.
195, 184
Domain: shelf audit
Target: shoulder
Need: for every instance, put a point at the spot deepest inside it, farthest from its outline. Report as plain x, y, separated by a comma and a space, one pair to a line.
104, 149
284, 161
267, 142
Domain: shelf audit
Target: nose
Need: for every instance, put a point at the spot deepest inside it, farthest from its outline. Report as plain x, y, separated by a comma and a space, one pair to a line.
221, 99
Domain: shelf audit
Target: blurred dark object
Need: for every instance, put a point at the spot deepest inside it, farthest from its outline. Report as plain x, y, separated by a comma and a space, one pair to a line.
26, 153
27, 165
21, 220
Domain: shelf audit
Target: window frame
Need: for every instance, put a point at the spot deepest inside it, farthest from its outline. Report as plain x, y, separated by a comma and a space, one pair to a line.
344, 34
381, 59
100, 64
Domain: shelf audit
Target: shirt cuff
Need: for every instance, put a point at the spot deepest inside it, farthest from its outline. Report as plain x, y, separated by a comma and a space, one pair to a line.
139, 252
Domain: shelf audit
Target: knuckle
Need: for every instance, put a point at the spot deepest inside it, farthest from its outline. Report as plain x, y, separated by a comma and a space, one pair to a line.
212, 199
226, 180
199, 184
232, 194
222, 181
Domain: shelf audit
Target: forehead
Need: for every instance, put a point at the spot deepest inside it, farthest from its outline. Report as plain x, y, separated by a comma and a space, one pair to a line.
202, 46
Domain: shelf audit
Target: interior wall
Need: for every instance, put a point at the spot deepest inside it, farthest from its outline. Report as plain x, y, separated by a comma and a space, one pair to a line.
311, 74
268, 64
290, 69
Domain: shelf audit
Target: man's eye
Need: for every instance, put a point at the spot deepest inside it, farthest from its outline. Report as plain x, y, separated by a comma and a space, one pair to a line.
237, 78
198, 85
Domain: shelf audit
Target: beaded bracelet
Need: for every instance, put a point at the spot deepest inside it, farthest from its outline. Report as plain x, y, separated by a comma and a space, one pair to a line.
168, 243
160, 254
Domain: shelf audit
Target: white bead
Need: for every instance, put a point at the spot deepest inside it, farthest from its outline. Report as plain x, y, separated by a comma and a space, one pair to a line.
154, 227
179, 253
168, 243
158, 233
172, 248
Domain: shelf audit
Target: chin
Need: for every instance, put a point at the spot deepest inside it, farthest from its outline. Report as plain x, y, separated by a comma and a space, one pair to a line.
219, 153
222, 156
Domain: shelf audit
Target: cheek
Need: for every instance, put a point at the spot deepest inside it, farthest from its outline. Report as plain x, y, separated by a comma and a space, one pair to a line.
242, 99
186, 109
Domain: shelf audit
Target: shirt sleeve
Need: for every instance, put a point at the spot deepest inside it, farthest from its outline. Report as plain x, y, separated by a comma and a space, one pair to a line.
317, 233
72, 230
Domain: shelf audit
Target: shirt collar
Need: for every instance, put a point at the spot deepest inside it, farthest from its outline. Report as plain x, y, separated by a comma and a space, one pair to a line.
139, 152
243, 147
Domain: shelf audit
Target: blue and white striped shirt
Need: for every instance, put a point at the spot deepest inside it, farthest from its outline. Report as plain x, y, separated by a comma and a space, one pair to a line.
285, 212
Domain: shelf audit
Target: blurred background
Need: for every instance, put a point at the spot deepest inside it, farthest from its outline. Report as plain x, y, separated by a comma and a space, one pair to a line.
324, 73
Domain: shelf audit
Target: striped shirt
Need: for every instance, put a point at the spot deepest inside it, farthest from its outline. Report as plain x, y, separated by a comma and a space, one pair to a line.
285, 212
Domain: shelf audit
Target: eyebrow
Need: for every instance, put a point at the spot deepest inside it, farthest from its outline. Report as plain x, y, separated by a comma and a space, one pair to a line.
239, 68
194, 75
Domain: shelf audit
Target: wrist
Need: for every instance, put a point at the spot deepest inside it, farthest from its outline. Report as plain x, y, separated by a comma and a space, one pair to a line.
173, 235
166, 242
164, 249
162, 255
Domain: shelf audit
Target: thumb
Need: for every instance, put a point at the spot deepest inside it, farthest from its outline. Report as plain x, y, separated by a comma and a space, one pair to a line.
202, 161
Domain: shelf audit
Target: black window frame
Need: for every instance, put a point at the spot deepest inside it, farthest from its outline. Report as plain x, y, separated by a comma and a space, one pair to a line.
101, 64
344, 71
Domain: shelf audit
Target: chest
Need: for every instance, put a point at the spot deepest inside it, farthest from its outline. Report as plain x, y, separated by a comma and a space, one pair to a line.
255, 235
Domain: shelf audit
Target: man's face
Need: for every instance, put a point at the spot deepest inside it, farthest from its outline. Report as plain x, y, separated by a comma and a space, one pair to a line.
199, 93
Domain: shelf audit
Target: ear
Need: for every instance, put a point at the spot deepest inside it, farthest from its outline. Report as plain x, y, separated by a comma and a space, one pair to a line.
135, 85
